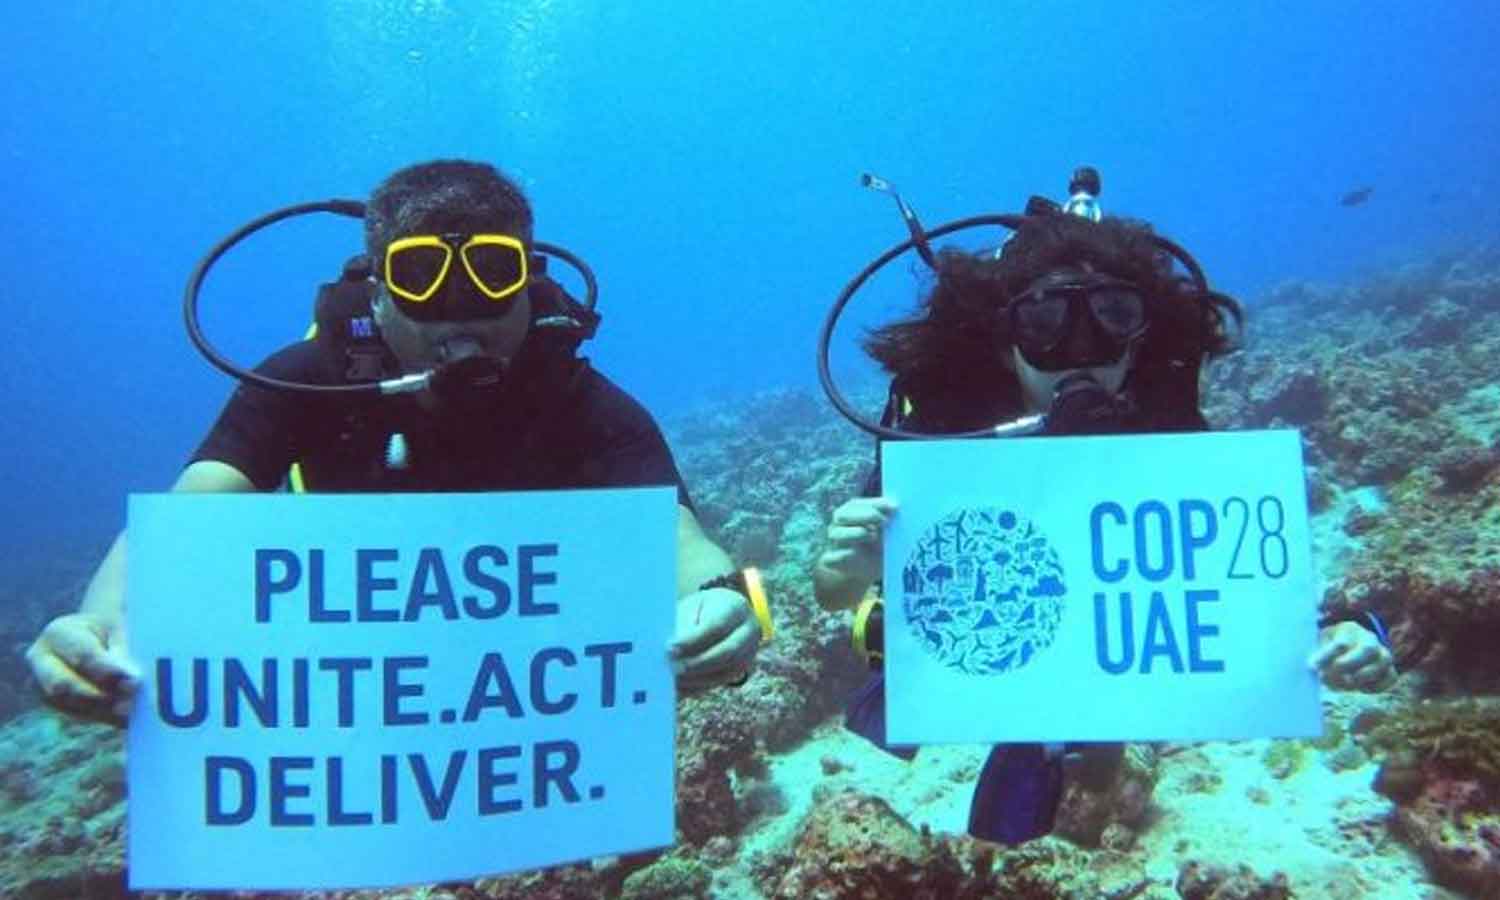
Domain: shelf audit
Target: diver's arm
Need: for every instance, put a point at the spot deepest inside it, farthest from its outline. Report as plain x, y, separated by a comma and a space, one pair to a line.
717, 634
104, 597
80, 659
699, 559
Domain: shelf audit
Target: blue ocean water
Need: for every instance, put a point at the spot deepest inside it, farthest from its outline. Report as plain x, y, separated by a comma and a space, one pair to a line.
703, 157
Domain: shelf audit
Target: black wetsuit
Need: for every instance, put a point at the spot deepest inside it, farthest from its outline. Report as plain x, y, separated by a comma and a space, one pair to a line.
577, 431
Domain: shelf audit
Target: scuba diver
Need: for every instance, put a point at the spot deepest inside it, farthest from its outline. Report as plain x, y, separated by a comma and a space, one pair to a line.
443, 359
1078, 324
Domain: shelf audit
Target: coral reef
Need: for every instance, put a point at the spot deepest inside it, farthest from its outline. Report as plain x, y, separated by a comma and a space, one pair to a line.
1110, 797
62, 810
15, 696
1441, 766
1466, 468
670, 878
1200, 881
1284, 758
714, 738
854, 845
1392, 384
1051, 869
1455, 825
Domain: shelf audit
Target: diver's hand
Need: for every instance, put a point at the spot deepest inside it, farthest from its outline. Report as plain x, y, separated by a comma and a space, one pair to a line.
80, 663
854, 538
1350, 658
716, 638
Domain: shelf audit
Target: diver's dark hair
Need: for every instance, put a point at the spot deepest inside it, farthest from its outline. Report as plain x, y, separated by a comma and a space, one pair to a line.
952, 351
445, 195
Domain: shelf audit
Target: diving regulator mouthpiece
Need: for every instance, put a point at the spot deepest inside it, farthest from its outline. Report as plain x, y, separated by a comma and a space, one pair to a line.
465, 372
1081, 405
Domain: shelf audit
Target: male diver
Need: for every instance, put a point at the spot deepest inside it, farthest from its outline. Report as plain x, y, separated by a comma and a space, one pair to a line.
1078, 324
444, 360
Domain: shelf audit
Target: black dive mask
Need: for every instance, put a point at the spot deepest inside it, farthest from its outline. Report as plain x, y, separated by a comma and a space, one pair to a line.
1082, 405
1103, 319
1076, 320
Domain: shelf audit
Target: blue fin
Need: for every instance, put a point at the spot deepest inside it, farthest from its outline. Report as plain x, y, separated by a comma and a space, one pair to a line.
865, 716
1016, 797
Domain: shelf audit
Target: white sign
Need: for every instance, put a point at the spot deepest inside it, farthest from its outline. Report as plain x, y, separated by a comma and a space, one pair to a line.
1154, 587
372, 690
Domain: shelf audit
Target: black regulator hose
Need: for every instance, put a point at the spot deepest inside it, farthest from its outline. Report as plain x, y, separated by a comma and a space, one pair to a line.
825, 337
354, 209
351, 208
1023, 426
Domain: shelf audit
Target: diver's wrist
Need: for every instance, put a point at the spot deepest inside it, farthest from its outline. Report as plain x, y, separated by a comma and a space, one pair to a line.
748, 584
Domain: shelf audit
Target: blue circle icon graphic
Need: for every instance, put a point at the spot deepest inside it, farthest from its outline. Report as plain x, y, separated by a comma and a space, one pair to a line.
983, 591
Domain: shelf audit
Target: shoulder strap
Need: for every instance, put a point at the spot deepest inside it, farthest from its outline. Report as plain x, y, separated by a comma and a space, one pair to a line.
898, 406
555, 315
342, 321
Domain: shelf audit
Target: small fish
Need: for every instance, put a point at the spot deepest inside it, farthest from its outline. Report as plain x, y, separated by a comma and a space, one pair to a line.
1357, 196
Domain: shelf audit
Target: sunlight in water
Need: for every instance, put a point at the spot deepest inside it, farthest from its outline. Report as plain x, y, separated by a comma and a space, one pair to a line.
453, 75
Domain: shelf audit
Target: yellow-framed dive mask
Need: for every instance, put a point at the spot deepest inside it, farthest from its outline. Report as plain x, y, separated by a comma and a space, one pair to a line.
417, 266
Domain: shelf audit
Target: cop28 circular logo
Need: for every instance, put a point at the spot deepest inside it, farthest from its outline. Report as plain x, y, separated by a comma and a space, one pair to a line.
983, 591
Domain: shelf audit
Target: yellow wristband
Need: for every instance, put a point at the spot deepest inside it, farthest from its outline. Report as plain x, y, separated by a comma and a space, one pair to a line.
747, 582
760, 604
862, 615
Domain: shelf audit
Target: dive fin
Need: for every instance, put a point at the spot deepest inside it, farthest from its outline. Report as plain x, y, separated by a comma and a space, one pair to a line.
865, 716
1016, 797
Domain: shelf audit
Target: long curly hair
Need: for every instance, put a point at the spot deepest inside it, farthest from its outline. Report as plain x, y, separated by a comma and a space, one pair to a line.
950, 357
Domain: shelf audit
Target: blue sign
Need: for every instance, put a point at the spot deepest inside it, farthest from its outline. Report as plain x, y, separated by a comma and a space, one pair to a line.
372, 690
1155, 587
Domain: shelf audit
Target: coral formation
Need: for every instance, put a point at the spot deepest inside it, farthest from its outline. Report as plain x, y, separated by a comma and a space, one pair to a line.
1283, 759
1455, 824
1201, 881
62, 808
854, 845
1392, 385
1113, 797
669, 878
1441, 766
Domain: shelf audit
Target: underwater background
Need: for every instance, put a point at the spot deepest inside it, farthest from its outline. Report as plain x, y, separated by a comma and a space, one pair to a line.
1332, 165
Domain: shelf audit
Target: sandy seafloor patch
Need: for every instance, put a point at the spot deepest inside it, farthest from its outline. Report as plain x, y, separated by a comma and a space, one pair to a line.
1326, 830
